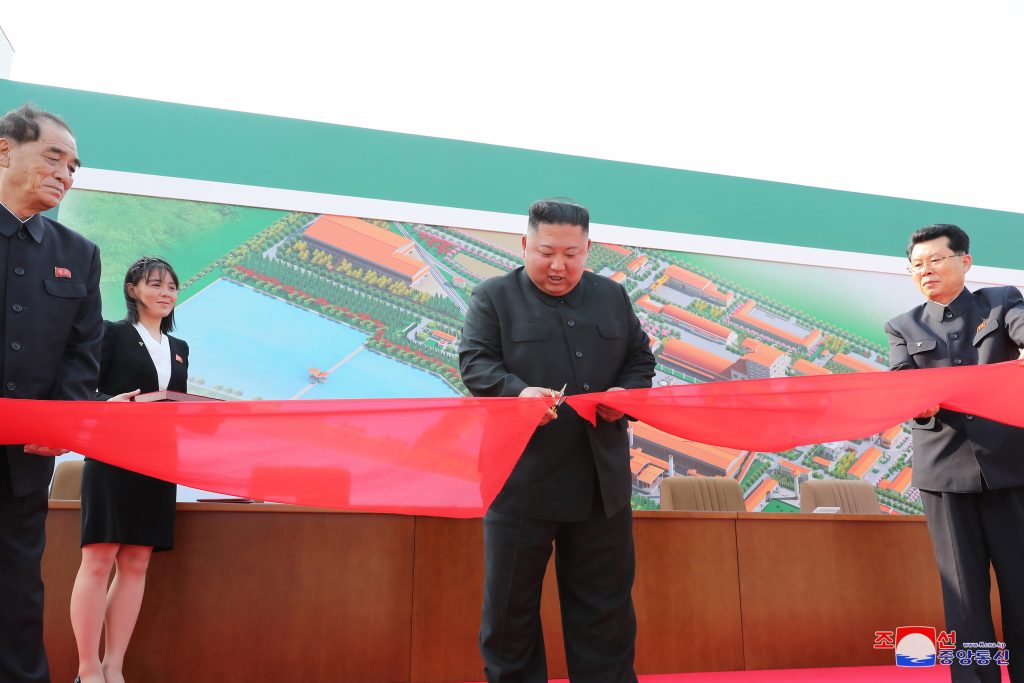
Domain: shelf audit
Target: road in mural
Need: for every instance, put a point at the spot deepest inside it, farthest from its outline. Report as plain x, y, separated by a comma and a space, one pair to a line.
292, 305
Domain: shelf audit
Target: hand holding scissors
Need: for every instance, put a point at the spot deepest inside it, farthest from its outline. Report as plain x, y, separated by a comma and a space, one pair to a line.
544, 392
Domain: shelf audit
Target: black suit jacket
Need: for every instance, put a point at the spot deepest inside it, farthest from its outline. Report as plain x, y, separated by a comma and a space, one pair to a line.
50, 326
952, 451
516, 336
125, 363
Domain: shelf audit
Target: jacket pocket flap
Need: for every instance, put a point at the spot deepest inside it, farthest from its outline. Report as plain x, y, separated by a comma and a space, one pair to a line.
610, 330
920, 345
986, 328
530, 332
65, 290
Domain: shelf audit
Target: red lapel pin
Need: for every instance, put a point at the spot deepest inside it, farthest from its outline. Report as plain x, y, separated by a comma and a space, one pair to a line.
61, 272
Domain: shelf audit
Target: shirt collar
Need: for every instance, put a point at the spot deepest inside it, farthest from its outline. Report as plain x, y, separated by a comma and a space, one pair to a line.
10, 224
574, 297
957, 306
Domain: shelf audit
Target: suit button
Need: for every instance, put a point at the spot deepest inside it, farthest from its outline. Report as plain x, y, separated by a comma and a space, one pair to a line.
586, 387
968, 417
19, 271
957, 361
17, 308
22, 235
579, 354
11, 386
949, 314
16, 346
953, 335
571, 323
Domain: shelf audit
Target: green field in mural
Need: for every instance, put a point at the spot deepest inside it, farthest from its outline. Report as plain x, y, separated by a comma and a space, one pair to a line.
190, 235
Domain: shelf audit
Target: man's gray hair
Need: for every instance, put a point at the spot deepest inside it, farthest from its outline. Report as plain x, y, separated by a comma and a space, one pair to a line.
22, 124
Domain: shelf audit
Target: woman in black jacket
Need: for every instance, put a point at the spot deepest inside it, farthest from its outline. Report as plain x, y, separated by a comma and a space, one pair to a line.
126, 516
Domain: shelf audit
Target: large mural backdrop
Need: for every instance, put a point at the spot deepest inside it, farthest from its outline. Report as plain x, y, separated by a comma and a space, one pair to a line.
293, 305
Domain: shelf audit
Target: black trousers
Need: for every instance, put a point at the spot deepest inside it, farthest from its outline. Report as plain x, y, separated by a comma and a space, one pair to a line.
22, 537
970, 531
594, 562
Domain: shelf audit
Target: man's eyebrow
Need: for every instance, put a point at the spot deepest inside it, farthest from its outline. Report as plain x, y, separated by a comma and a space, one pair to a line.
57, 149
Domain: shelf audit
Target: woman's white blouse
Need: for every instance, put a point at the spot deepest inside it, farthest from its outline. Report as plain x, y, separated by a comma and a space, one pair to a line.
160, 352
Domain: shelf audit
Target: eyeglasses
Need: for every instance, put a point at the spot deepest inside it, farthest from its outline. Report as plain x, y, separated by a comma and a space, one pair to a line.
930, 264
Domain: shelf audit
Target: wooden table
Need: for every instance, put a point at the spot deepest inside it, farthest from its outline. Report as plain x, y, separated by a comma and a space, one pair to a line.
272, 592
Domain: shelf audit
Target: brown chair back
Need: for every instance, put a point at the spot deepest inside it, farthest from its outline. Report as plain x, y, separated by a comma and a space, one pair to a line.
701, 494
849, 495
67, 480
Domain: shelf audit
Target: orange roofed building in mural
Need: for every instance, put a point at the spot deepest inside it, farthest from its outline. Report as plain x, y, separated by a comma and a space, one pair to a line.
892, 436
757, 500
618, 249
700, 326
694, 360
805, 367
762, 361
762, 323
647, 471
685, 454
902, 482
855, 364
865, 462
691, 283
645, 302
366, 245
637, 263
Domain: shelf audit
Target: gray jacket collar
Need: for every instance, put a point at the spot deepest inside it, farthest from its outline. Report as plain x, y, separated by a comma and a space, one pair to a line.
958, 306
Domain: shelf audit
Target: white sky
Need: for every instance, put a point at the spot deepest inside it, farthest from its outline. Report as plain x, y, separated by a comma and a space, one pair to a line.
912, 98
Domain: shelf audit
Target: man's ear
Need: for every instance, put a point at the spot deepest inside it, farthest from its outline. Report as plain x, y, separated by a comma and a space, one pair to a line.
5, 152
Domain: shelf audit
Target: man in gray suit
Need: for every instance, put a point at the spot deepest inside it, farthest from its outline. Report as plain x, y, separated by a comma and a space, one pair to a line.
970, 470
50, 334
528, 333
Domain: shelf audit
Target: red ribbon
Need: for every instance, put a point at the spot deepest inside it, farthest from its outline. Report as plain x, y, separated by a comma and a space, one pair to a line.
449, 457
777, 414
445, 457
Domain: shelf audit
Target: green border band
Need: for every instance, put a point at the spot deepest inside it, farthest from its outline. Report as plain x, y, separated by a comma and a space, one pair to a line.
159, 138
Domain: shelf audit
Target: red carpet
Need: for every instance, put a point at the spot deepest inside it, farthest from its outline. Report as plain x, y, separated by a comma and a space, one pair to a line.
857, 674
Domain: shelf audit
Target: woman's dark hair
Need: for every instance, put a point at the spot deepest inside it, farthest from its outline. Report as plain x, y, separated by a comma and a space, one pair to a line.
959, 242
140, 272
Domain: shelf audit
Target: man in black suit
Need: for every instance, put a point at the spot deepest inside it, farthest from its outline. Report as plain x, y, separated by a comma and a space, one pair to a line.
528, 333
970, 470
50, 334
